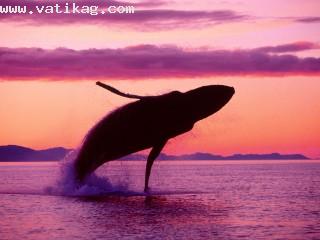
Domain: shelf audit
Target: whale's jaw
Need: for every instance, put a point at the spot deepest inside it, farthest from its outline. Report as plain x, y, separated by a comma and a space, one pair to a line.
205, 101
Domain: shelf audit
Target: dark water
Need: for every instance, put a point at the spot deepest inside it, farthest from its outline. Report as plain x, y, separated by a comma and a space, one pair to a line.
188, 200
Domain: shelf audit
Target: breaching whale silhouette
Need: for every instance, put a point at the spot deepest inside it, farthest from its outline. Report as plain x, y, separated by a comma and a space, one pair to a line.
146, 123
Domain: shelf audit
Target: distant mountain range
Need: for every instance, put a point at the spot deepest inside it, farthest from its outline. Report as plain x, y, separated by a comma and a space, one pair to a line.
14, 153
209, 156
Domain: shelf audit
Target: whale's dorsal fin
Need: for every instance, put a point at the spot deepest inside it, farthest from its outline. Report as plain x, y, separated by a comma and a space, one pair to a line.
116, 91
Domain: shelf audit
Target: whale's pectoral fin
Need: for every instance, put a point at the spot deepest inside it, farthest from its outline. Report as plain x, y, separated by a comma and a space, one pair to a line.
116, 91
155, 151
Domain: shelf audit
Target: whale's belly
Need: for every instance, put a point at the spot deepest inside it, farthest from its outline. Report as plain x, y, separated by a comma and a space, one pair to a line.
136, 127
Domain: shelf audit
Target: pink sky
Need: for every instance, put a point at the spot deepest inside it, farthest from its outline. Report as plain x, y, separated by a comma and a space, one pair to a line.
269, 51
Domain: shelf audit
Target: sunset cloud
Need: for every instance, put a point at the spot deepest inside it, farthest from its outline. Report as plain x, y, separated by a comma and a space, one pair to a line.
291, 47
147, 61
146, 17
308, 20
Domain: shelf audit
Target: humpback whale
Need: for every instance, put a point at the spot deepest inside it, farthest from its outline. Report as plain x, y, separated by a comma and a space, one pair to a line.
148, 122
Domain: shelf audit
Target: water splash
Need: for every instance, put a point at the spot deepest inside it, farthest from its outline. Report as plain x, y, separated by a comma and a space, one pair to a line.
67, 185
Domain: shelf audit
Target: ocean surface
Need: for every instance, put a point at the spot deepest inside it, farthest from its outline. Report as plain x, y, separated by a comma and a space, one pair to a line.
188, 200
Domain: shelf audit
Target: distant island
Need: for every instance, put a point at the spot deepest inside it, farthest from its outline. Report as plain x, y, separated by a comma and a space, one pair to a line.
14, 153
